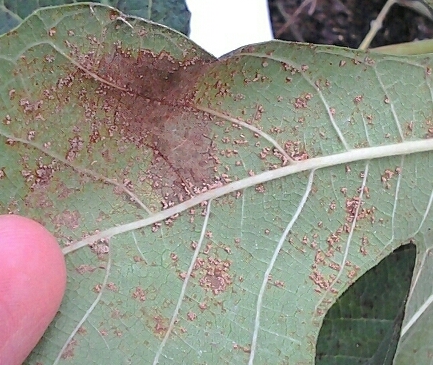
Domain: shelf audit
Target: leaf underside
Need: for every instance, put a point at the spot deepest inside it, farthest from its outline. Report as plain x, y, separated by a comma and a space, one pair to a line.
228, 203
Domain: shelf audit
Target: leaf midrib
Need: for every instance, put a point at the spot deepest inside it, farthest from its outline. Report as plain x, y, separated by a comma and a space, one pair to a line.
368, 153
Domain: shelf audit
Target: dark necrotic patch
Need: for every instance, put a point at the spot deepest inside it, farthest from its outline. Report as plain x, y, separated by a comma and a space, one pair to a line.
152, 106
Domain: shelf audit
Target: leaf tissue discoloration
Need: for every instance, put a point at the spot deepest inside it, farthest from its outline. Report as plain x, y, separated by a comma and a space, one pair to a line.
156, 112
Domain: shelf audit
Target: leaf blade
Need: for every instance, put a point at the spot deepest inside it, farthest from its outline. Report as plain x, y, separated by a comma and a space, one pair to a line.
343, 194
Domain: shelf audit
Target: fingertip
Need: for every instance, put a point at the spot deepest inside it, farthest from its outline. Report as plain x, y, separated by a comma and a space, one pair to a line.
32, 285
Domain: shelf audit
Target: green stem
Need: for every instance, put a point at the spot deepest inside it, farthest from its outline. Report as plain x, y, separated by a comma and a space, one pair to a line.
411, 48
376, 25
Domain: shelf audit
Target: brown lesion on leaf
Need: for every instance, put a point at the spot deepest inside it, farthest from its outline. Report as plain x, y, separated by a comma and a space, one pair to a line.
301, 102
67, 218
112, 287
82, 331
353, 272
427, 127
214, 274
364, 244
100, 248
296, 150
156, 112
44, 173
246, 349
139, 294
83, 269
161, 326
116, 314
63, 191
138, 259
38, 175
40, 199
357, 99
324, 259
30, 106
191, 316
76, 144
140, 99
356, 211
97, 288
211, 269
69, 351
322, 282
279, 283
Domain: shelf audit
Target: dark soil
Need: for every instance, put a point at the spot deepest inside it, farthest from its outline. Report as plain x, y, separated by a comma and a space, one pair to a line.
346, 22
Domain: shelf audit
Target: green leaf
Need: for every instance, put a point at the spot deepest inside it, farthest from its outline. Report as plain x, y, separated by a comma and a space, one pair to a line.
363, 326
172, 13
424, 7
227, 204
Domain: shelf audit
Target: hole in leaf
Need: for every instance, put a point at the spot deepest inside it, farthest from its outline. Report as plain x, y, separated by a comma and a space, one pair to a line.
363, 326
